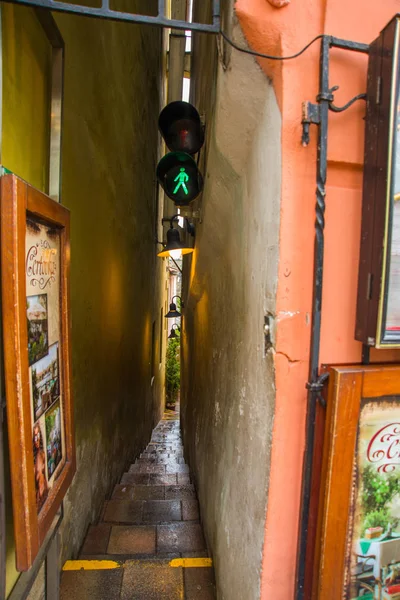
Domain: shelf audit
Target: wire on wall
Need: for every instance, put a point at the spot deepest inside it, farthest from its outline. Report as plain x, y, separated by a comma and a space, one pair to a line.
269, 56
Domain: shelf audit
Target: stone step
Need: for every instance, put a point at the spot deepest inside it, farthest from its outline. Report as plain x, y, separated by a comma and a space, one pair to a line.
165, 455
154, 492
166, 440
152, 540
137, 512
159, 469
170, 454
171, 446
168, 429
147, 579
155, 539
155, 479
153, 447
155, 460
151, 521
121, 558
162, 456
150, 511
147, 468
124, 491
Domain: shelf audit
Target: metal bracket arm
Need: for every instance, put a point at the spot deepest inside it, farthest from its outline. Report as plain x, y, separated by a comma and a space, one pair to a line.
335, 42
311, 112
339, 109
189, 226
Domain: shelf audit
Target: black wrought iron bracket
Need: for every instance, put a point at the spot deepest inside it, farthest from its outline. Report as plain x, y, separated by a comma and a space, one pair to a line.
105, 12
190, 228
317, 114
317, 388
311, 112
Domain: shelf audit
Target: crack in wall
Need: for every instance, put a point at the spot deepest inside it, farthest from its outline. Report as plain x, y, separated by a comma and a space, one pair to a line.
291, 360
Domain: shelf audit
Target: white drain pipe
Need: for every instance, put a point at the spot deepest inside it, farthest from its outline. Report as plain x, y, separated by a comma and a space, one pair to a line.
176, 70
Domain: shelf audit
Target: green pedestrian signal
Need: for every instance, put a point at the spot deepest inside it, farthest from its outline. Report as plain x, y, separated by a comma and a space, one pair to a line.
181, 178
177, 171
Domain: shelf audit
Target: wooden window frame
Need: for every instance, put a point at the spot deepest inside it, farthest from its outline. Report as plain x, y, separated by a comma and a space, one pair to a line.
383, 89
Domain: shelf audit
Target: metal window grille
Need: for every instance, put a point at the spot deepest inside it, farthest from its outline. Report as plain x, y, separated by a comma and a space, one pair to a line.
105, 12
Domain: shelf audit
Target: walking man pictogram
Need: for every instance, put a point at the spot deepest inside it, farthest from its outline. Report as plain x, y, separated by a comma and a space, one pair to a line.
181, 178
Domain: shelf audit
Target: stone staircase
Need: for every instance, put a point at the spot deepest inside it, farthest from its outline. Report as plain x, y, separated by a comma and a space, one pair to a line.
149, 543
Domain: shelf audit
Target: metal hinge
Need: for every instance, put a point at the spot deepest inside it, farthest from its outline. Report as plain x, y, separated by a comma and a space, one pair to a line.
2, 409
369, 286
378, 90
310, 115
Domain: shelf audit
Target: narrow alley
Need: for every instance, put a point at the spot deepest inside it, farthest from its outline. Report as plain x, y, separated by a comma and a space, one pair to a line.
149, 543
199, 300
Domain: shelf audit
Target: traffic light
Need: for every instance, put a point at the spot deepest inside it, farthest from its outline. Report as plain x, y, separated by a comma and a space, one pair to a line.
177, 171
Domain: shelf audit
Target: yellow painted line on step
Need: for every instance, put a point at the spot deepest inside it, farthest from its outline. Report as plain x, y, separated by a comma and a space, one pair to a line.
191, 562
90, 565
99, 565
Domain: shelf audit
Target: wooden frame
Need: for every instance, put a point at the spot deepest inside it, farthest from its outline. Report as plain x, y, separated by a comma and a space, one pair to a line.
378, 316
31, 523
350, 387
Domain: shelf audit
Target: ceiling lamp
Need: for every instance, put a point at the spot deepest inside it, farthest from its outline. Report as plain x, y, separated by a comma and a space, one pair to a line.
172, 335
173, 311
174, 247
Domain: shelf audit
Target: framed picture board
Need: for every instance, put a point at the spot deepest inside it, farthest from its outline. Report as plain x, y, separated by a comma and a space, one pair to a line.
378, 302
359, 525
35, 263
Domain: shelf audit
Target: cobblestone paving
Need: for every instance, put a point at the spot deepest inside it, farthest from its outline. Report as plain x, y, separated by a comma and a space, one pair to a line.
151, 520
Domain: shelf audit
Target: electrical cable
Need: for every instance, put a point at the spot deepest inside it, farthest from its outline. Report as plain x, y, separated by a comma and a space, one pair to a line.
269, 56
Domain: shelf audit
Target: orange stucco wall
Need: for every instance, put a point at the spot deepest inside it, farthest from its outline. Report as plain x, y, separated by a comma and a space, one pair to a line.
284, 31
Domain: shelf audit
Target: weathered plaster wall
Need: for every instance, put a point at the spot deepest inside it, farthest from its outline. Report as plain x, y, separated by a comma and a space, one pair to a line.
110, 149
228, 378
110, 143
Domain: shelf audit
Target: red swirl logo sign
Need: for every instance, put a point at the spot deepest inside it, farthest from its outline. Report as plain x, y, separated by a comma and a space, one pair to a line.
384, 448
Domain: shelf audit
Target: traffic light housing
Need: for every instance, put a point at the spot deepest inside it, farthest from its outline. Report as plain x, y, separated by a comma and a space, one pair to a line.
177, 172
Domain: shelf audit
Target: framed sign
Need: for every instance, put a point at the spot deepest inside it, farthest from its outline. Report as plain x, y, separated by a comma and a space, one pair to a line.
378, 304
359, 557
35, 260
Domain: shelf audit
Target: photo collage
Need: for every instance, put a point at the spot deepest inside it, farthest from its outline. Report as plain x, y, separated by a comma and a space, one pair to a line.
43, 322
375, 532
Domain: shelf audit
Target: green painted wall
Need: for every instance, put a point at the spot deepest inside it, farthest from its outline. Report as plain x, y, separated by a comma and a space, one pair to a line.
26, 94
113, 83
25, 138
